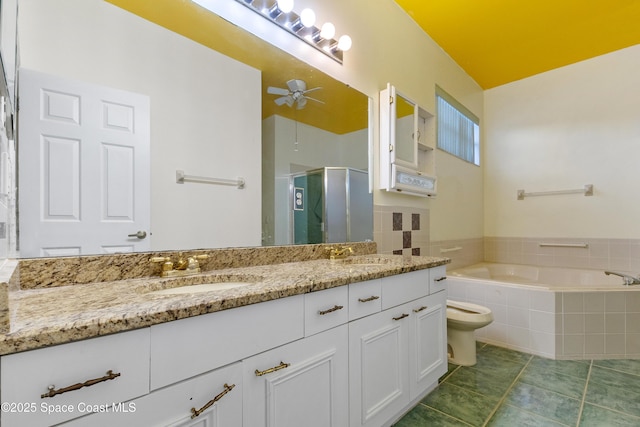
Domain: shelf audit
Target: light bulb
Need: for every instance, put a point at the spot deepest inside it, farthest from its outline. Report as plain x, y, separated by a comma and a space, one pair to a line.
328, 31
285, 6
344, 43
307, 17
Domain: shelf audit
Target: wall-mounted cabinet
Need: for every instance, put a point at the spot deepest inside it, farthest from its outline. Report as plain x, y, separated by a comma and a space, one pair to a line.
407, 145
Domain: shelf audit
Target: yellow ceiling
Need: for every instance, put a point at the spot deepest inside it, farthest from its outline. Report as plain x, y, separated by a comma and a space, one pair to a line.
500, 41
344, 109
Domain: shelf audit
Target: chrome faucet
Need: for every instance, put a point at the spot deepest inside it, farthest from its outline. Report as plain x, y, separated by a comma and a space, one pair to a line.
628, 280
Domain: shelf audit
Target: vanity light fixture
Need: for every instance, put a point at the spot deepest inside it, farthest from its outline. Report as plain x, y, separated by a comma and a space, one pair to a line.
281, 13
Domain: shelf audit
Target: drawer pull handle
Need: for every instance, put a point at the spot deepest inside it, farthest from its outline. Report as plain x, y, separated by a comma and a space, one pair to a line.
401, 317
440, 279
53, 392
371, 298
282, 365
227, 388
418, 310
331, 310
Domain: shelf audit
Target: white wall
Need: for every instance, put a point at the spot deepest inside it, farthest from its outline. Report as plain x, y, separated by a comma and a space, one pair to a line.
562, 129
388, 46
205, 112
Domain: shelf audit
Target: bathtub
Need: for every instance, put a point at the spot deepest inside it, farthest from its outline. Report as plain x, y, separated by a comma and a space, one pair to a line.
542, 277
559, 313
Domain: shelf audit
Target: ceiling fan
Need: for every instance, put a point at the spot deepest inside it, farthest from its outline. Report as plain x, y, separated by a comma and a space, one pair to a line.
295, 94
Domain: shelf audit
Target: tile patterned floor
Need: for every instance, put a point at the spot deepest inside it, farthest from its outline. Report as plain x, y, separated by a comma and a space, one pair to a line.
509, 388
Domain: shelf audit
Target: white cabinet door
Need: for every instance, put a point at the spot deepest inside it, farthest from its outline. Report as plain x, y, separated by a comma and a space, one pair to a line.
216, 396
84, 157
379, 366
304, 383
428, 342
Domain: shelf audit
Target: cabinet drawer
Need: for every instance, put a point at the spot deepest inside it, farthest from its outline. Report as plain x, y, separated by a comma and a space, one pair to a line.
171, 406
406, 287
365, 298
188, 347
27, 376
325, 309
437, 279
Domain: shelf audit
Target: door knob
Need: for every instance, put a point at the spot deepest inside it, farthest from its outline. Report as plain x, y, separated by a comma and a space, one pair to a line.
140, 234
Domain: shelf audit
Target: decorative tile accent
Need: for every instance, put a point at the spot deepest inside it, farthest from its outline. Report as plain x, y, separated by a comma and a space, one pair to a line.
415, 221
406, 239
401, 230
397, 221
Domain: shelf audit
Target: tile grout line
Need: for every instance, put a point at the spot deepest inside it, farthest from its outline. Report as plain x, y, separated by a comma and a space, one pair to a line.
584, 393
595, 364
506, 393
445, 414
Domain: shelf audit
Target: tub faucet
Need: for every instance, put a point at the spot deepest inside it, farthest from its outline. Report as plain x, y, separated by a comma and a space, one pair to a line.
628, 280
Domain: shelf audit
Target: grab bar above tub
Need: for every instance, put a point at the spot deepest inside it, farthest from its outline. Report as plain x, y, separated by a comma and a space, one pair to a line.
453, 249
587, 191
564, 245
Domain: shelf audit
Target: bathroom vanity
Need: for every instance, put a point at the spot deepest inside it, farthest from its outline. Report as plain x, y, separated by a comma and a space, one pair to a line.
314, 342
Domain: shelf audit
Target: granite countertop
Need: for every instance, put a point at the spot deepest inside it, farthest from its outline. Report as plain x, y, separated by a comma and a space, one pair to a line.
41, 317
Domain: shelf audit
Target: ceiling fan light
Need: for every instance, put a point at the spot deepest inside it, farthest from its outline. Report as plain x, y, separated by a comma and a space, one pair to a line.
344, 43
327, 31
307, 17
285, 6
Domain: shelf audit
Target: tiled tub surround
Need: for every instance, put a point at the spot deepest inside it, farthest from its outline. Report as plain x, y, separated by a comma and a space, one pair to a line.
462, 252
47, 312
601, 254
561, 324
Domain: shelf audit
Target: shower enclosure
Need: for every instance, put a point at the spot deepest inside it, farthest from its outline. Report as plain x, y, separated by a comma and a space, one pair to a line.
331, 204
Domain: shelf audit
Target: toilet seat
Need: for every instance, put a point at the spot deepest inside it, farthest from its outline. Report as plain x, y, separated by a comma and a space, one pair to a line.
458, 310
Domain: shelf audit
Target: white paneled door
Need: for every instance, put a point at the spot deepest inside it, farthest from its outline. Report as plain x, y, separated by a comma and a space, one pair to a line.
83, 158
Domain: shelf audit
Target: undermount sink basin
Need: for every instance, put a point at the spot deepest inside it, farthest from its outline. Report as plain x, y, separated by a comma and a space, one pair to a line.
216, 283
206, 287
365, 260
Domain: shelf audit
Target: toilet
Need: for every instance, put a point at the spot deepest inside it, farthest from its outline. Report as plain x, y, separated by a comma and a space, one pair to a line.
463, 319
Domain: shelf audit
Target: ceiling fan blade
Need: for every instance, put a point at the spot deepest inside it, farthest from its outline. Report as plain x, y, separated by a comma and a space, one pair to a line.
312, 89
282, 100
277, 91
296, 85
313, 99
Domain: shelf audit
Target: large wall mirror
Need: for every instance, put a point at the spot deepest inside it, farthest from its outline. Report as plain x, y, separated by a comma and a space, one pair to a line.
211, 113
